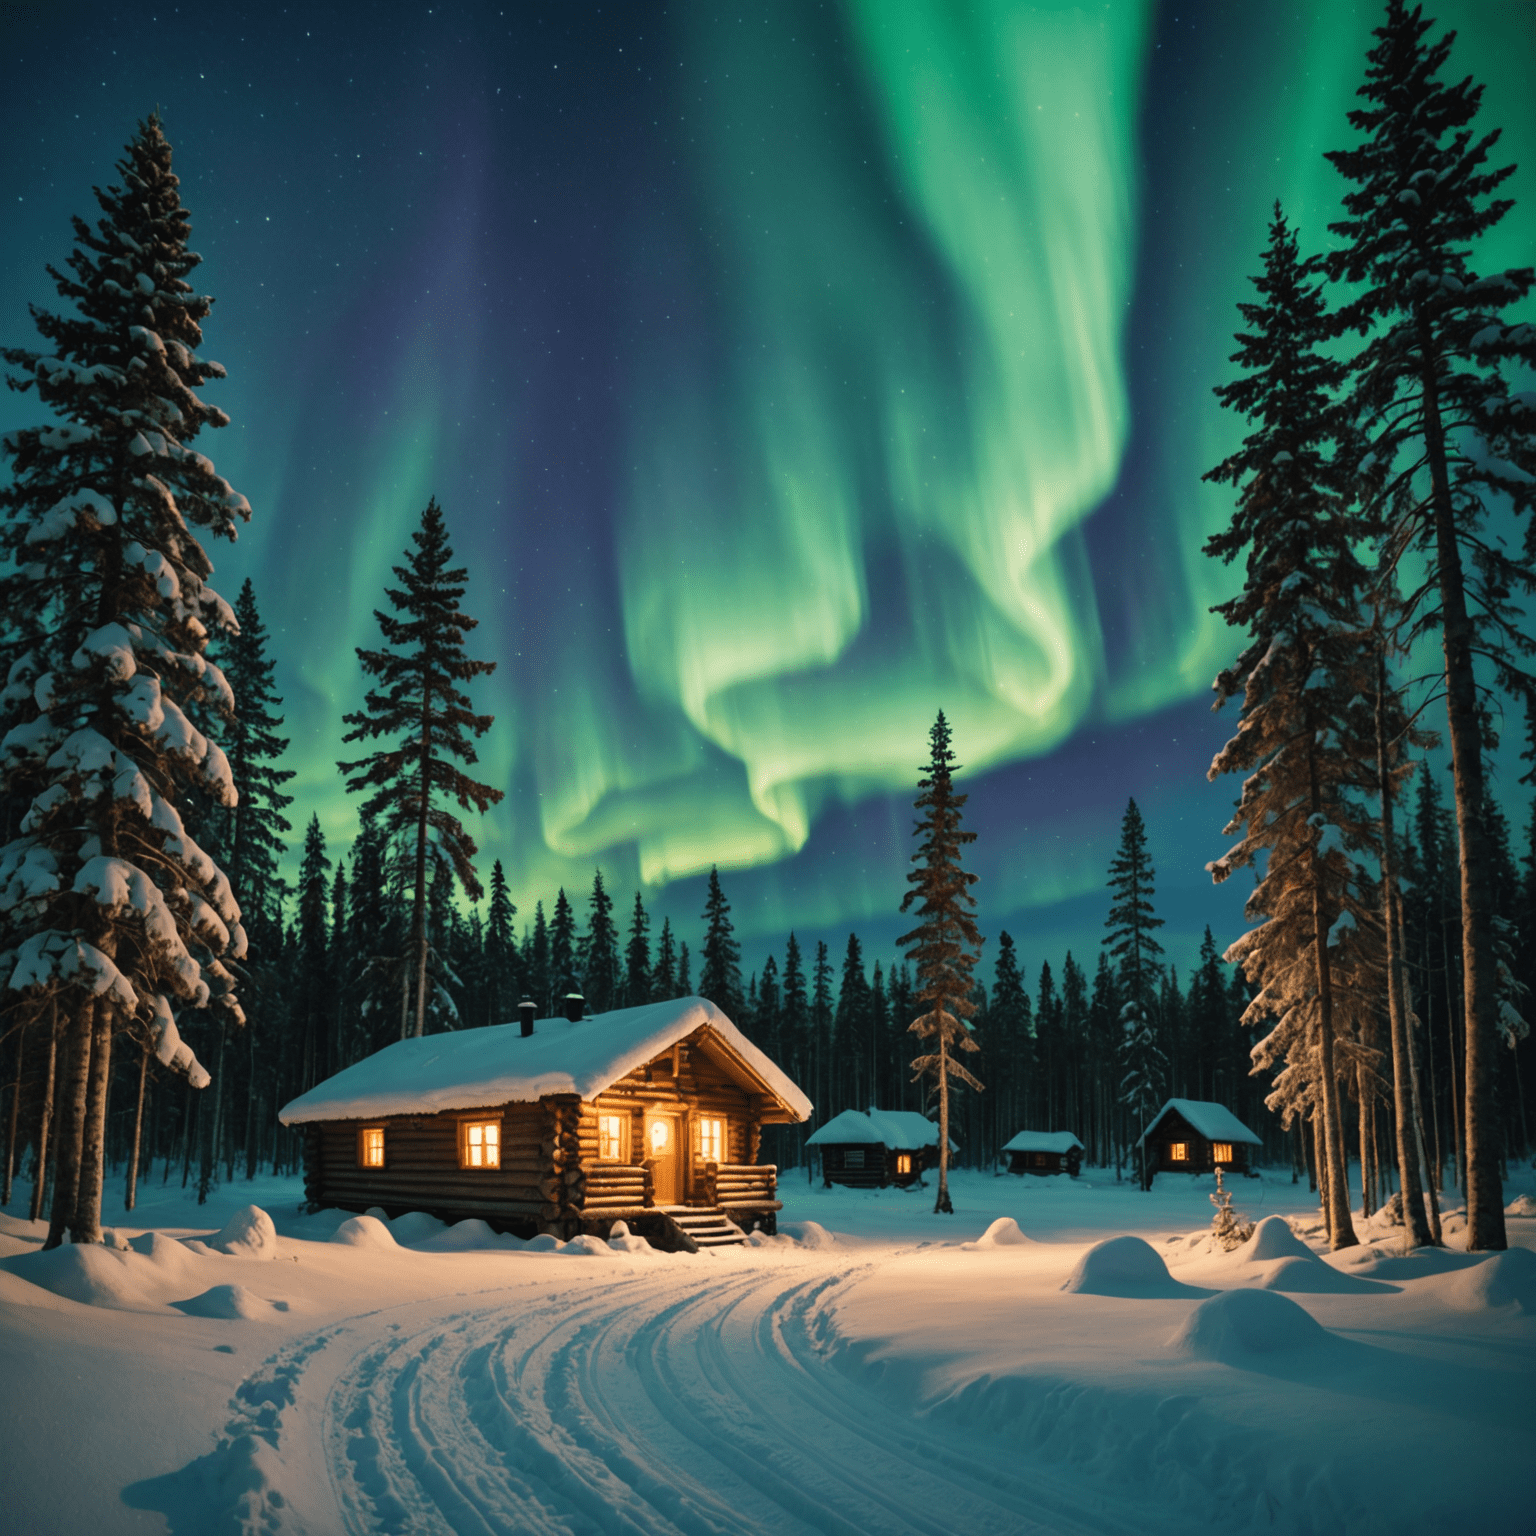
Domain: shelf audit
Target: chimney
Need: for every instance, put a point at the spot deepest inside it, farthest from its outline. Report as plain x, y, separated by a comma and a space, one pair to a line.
575, 1007
525, 1012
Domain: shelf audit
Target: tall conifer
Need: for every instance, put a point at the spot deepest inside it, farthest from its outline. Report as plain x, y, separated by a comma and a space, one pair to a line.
637, 957
600, 976
720, 973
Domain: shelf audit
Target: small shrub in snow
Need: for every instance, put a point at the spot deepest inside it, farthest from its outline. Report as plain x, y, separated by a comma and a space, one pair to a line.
1227, 1226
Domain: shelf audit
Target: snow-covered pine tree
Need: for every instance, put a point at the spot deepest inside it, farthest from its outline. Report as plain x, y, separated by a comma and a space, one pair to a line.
1431, 391
420, 702
1133, 949
946, 944
1306, 737
637, 957
502, 962
600, 978
110, 909
720, 973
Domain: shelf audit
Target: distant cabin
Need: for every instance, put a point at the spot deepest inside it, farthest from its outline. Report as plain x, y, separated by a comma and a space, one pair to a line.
1190, 1136
649, 1115
1044, 1152
874, 1148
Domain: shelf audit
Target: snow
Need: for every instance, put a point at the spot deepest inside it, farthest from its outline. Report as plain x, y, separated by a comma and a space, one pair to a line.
496, 1065
1213, 1121
875, 1368
1123, 1266
1043, 1141
902, 1130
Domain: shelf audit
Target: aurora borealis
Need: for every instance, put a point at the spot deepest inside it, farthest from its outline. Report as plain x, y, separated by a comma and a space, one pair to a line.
786, 372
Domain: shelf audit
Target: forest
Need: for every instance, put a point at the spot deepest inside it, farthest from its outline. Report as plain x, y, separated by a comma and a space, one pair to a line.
171, 982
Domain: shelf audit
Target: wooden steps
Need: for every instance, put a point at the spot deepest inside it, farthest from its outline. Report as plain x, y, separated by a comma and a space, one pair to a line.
703, 1226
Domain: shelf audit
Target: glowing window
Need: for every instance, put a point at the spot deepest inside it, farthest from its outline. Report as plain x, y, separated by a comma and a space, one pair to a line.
610, 1138
370, 1147
480, 1144
711, 1140
903, 1162
1040, 1160
661, 1136
1178, 1151
1223, 1151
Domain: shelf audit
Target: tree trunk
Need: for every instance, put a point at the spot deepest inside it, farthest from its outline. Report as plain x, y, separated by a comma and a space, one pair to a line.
73, 1089
941, 1202
10, 1132
131, 1192
86, 1225
1365, 1134
419, 915
1485, 1195
45, 1116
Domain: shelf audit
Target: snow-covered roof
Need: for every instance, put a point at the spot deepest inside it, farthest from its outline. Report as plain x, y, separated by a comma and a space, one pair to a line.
497, 1065
1043, 1141
903, 1130
1213, 1121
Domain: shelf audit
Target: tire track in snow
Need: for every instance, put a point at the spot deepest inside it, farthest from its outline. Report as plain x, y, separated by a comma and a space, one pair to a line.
651, 1407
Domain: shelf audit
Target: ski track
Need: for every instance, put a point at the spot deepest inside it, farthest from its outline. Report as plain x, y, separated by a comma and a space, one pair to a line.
645, 1408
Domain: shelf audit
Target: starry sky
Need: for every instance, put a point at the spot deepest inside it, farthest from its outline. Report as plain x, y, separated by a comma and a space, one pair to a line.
786, 372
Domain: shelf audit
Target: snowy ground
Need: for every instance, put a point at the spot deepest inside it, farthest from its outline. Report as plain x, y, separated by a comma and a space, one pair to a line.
880, 1370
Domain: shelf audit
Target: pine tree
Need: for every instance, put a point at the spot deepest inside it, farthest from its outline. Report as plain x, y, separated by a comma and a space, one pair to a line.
109, 907
312, 992
502, 962
420, 701
664, 976
684, 980
794, 1012
1432, 388
600, 977
637, 958
947, 944
1305, 741
765, 1017
820, 1052
378, 970
1010, 1041
562, 953
1134, 950
850, 1029
720, 974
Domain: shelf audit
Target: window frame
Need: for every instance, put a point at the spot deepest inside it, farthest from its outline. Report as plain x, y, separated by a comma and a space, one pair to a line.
699, 1138
903, 1162
363, 1160
621, 1137
1221, 1152
480, 1123
1178, 1151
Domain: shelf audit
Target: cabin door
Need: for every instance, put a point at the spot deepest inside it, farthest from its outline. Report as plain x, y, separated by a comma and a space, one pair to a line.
664, 1146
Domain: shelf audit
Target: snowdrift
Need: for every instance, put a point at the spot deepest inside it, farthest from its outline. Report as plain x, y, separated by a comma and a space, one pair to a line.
1505, 1279
1005, 1232
1125, 1266
1234, 1327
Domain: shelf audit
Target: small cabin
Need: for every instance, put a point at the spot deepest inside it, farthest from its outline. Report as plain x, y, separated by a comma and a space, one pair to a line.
649, 1115
872, 1149
1044, 1152
1191, 1136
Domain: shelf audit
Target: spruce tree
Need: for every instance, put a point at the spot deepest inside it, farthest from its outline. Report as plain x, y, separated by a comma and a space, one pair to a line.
1432, 387
664, 976
851, 1031
600, 975
421, 703
947, 943
637, 958
110, 909
720, 974
819, 1053
314, 979
563, 979
684, 979
503, 988
1010, 1037
765, 1017
1306, 739
1134, 950
794, 1012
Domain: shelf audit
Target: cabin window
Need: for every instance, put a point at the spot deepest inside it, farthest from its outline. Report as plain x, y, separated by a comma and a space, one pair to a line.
370, 1147
1178, 1151
903, 1162
853, 1157
610, 1138
711, 1139
1222, 1151
1039, 1159
480, 1144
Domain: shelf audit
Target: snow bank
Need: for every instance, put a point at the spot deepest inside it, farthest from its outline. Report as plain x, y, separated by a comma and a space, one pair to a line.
1274, 1239
363, 1232
248, 1234
1311, 1276
1506, 1279
417, 1227
469, 1236
93, 1274
1125, 1266
808, 1234
1521, 1205
1235, 1326
1003, 1233
229, 1301
621, 1240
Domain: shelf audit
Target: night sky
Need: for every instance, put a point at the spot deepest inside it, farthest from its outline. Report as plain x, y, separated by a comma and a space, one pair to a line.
786, 372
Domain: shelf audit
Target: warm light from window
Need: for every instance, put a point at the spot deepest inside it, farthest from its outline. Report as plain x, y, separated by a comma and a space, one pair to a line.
1223, 1151
610, 1138
711, 1140
903, 1162
480, 1146
1178, 1151
371, 1146
660, 1134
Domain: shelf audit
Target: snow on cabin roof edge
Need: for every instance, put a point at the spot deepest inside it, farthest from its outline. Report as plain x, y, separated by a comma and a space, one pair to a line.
471, 1068
1213, 1121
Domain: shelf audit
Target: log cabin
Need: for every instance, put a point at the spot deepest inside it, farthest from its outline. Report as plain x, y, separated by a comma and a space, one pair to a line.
1192, 1136
651, 1116
874, 1149
1044, 1152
